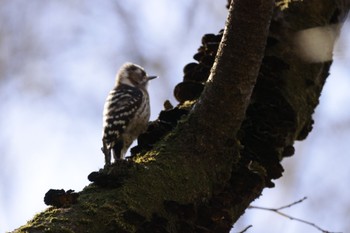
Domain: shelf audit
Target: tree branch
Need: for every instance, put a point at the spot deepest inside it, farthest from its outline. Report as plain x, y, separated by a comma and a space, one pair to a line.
236, 68
277, 211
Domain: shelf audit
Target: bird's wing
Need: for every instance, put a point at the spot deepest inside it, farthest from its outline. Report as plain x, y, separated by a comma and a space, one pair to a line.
120, 106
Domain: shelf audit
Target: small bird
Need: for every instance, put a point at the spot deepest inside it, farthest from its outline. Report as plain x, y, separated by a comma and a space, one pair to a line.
126, 111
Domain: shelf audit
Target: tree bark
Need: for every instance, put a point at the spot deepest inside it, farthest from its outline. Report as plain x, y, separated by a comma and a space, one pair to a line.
201, 177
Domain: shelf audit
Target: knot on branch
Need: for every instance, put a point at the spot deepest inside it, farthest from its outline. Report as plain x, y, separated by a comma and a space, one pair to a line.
61, 198
114, 175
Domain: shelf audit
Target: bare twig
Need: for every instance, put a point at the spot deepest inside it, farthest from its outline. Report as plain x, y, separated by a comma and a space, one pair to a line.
245, 229
277, 210
290, 205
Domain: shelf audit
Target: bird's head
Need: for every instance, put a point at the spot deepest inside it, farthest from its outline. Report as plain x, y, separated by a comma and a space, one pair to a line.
133, 75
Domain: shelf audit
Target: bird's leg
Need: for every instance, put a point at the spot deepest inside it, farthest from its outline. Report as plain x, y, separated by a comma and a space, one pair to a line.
107, 152
117, 149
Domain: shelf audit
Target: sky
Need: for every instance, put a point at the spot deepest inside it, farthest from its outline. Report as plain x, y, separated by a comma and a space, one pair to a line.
58, 60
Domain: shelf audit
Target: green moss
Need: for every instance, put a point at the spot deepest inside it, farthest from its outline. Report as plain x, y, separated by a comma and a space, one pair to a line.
154, 191
49, 217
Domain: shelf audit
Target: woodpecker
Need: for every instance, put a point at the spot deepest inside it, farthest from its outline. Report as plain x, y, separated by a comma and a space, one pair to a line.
126, 111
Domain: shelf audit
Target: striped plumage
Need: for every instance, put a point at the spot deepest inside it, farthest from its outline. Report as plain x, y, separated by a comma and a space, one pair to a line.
126, 111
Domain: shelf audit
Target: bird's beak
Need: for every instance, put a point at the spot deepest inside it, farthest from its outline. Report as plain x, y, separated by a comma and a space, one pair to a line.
151, 77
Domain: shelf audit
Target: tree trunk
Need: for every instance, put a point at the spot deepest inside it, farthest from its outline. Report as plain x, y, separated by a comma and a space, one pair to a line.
202, 175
